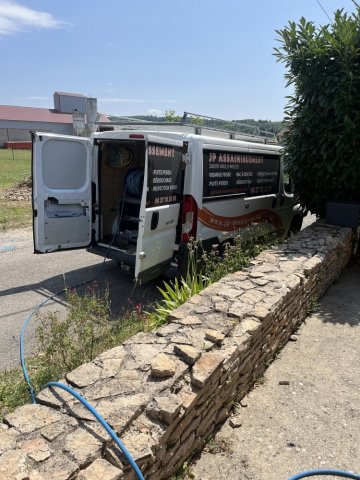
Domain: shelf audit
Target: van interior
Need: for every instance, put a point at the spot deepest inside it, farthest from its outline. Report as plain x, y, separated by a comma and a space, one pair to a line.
121, 176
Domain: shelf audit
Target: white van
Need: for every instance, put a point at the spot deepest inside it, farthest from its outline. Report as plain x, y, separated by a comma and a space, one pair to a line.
139, 196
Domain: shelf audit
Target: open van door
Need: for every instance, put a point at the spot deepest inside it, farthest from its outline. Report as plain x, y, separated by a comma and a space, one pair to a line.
160, 207
61, 170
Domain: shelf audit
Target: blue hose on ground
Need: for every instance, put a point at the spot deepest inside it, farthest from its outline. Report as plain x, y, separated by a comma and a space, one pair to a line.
103, 422
57, 294
22, 337
335, 473
65, 387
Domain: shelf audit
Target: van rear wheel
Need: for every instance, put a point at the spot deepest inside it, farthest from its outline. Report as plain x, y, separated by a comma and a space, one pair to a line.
295, 225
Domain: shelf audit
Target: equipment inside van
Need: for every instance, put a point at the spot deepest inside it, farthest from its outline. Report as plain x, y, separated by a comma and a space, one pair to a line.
139, 194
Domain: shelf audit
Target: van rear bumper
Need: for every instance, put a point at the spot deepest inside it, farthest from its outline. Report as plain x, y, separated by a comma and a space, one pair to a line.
113, 253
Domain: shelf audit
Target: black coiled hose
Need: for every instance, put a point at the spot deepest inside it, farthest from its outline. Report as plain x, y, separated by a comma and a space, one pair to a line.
134, 181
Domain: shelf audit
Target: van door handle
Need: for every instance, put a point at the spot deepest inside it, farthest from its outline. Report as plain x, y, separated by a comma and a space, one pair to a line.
154, 220
247, 205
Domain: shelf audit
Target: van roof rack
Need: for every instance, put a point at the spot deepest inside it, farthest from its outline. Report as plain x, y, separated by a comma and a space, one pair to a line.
199, 124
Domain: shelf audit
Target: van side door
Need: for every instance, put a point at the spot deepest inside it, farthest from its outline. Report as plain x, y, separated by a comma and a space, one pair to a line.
160, 206
61, 170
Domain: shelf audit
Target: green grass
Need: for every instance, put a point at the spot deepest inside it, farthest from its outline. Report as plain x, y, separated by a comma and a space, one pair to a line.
14, 214
64, 344
15, 165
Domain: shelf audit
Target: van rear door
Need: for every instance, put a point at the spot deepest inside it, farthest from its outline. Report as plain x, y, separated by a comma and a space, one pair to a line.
160, 206
61, 170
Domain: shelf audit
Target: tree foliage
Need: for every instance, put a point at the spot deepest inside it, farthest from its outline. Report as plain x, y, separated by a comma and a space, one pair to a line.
322, 146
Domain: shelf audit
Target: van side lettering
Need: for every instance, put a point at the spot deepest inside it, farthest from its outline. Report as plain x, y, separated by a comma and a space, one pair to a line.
245, 173
164, 175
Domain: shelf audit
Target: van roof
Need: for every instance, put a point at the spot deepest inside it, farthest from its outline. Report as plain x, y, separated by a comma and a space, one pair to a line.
187, 136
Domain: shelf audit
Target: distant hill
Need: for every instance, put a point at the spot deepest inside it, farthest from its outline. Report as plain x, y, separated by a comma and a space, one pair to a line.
267, 125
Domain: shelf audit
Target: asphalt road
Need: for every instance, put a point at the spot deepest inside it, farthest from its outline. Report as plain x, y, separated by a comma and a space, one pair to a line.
27, 280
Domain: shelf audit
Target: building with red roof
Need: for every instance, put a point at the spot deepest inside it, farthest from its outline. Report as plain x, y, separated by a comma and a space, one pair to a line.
17, 122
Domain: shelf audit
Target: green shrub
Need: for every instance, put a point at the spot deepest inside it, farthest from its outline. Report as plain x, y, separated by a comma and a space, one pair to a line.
322, 152
204, 269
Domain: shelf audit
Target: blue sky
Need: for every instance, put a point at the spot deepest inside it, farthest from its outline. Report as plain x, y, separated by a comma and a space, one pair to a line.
212, 57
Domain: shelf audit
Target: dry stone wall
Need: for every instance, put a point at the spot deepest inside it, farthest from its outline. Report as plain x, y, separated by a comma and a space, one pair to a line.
165, 392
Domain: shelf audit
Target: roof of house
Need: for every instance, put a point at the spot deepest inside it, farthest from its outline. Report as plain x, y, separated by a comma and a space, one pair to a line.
32, 114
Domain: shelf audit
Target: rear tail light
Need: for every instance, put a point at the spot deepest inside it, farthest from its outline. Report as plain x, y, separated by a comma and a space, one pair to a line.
136, 135
189, 218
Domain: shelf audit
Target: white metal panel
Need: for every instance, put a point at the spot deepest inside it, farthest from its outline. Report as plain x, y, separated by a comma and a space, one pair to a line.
61, 192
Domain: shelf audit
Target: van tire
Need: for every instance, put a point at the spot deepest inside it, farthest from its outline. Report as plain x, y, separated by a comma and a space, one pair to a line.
295, 225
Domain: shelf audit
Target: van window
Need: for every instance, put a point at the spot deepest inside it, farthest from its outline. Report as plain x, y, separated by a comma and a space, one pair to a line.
64, 165
164, 175
239, 173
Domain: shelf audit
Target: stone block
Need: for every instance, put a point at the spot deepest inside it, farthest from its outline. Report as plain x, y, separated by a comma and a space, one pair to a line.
187, 398
7, 439
250, 325
205, 367
163, 366
14, 465
141, 356
85, 375
120, 411
240, 309
252, 296
37, 449
53, 431
190, 320
188, 353
214, 336
83, 446
100, 469
54, 397
168, 329
28, 418
58, 467
230, 292
261, 312
139, 446
165, 409
116, 353
127, 382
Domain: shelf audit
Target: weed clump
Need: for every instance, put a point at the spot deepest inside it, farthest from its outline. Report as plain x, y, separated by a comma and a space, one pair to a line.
63, 344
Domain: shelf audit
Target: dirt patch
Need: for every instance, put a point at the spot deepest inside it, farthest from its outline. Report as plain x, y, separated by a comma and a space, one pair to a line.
19, 192
305, 414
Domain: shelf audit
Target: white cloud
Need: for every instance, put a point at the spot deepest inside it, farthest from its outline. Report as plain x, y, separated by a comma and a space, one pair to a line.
37, 98
16, 18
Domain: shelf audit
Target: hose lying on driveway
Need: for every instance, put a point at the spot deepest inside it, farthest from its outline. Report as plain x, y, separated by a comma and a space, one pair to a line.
335, 473
73, 392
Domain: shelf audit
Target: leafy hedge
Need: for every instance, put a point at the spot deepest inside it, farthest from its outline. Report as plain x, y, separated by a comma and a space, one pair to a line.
322, 146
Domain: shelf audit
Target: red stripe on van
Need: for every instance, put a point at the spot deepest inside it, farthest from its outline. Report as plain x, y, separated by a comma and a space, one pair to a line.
230, 224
